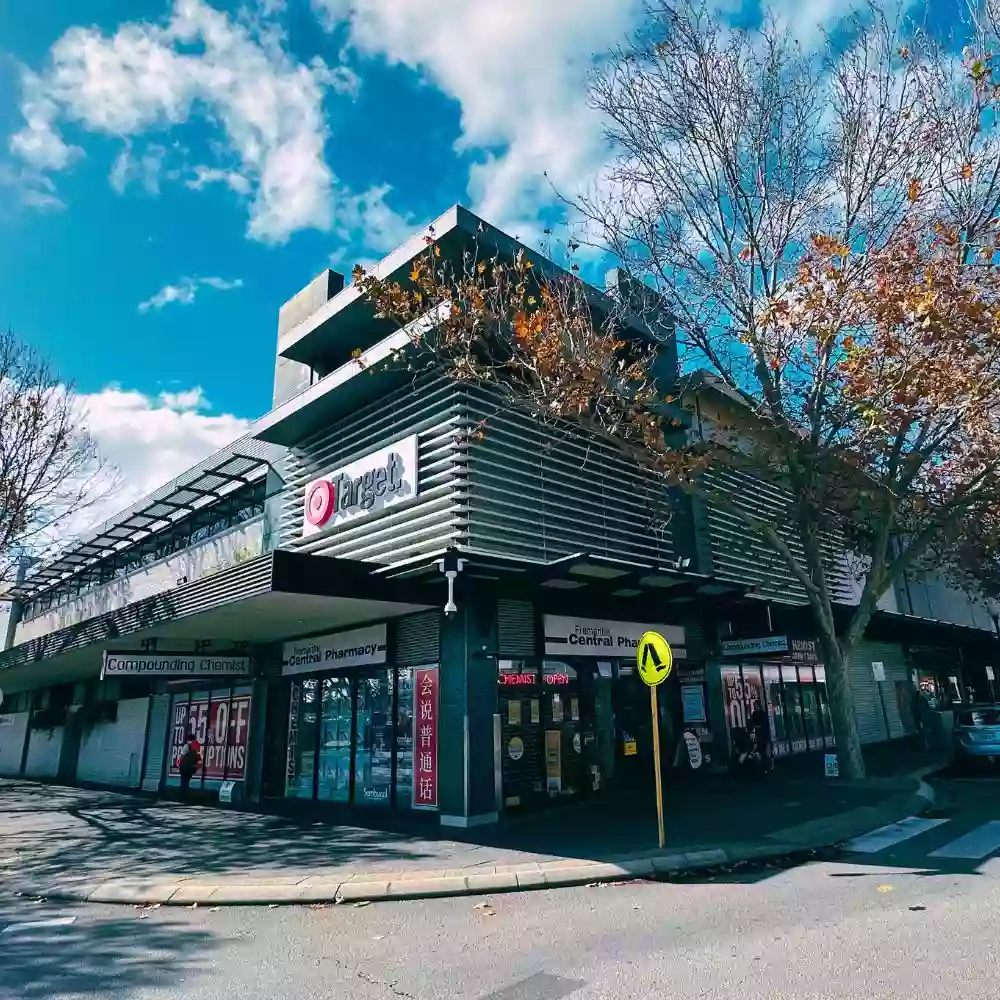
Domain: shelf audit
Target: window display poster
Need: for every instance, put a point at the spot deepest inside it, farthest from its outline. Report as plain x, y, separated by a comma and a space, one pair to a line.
221, 726
535, 711
742, 695
574, 709
514, 713
557, 708
553, 761
425, 714
693, 702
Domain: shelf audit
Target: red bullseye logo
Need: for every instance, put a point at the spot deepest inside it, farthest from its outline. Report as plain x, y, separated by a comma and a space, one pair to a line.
320, 503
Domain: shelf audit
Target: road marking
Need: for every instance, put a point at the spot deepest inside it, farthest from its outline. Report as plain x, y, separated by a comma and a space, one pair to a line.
974, 845
35, 925
894, 833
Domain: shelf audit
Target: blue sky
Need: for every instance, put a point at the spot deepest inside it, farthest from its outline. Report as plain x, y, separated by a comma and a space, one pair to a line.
171, 171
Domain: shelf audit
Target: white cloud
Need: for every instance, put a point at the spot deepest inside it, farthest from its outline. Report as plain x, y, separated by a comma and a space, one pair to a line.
232, 179
151, 77
151, 440
144, 170
185, 291
518, 70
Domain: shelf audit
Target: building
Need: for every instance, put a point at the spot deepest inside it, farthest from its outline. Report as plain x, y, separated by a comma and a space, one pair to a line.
285, 602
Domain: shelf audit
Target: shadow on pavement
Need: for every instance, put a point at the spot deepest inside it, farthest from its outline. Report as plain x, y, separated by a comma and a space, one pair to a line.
58, 834
117, 955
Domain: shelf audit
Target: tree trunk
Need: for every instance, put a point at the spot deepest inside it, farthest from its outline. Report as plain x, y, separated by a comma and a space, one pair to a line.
845, 725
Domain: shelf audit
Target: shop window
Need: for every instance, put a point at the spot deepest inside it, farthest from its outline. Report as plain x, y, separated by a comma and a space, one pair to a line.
404, 738
776, 710
220, 721
334, 777
373, 756
302, 749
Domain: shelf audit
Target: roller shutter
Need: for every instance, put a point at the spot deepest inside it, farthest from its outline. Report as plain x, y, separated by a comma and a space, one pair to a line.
156, 742
111, 752
13, 728
516, 628
867, 707
44, 747
418, 639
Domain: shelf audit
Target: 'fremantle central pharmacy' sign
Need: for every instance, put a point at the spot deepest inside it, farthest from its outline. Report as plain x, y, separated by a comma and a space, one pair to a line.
568, 636
366, 486
357, 647
173, 665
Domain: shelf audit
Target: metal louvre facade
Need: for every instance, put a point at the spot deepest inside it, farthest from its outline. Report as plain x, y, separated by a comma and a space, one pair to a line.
424, 527
739, 556
539, 495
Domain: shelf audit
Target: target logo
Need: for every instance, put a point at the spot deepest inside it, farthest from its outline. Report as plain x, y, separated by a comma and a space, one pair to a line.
321, 502
362, 489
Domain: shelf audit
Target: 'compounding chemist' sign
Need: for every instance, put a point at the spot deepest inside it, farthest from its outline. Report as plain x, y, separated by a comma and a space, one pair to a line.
173, 665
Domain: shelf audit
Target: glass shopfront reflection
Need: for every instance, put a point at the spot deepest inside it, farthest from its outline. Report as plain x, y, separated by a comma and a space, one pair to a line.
350, 737
794, 696
334, 780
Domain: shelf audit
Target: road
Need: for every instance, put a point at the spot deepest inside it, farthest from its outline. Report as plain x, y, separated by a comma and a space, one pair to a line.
900, 916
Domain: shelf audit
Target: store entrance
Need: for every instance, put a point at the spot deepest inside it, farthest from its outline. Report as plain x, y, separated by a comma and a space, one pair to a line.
576, 728
351, 737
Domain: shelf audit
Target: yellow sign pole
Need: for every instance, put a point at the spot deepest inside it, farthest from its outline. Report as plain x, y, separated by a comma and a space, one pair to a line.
656, 763
655, 660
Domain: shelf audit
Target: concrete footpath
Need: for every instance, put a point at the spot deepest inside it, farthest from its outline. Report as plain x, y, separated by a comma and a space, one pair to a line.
73, 844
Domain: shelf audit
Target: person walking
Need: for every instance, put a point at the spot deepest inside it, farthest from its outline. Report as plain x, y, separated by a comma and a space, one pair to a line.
188, 763
760, 727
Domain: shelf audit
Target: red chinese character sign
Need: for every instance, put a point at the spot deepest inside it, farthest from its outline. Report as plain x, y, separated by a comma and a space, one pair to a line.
425, 723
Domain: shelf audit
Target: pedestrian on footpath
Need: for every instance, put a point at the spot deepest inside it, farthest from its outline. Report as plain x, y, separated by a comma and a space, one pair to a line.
188, 763
760, 727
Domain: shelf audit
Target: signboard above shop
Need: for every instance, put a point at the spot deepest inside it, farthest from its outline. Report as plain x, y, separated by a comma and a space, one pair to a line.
357, 647
173, 665
755, 647
597, 637
363, 488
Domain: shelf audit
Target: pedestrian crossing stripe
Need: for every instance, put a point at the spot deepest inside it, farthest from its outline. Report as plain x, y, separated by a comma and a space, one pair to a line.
888, 836
974, 845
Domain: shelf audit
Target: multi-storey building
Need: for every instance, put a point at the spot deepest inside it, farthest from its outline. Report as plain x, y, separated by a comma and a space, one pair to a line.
285, 603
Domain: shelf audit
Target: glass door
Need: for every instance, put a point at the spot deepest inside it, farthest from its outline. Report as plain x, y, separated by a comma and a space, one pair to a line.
373, 752
302, 732
334, 778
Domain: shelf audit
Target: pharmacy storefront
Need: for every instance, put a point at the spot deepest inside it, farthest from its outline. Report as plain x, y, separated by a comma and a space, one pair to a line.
360, 730
576, 720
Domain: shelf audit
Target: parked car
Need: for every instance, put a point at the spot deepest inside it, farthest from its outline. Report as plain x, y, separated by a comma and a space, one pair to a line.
976, 737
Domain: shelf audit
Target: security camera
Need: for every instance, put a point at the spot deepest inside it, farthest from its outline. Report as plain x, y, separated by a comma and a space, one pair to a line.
450, 567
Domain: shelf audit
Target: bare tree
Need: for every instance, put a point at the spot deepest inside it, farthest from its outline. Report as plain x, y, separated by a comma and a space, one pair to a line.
809, 222
50, 468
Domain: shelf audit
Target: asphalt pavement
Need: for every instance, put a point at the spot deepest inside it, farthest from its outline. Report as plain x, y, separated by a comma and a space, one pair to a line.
889, 921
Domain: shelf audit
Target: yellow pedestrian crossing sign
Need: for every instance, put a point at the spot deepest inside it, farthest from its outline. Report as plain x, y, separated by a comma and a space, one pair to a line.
654, 658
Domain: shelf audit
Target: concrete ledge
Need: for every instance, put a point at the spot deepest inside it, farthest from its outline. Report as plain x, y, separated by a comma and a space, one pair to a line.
417, 888
350, 892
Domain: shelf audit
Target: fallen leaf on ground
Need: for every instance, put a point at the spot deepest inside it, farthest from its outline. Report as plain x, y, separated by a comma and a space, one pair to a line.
214, 909
194, 906
272, 906
378, 937
363, 902
482, 906
885, 888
